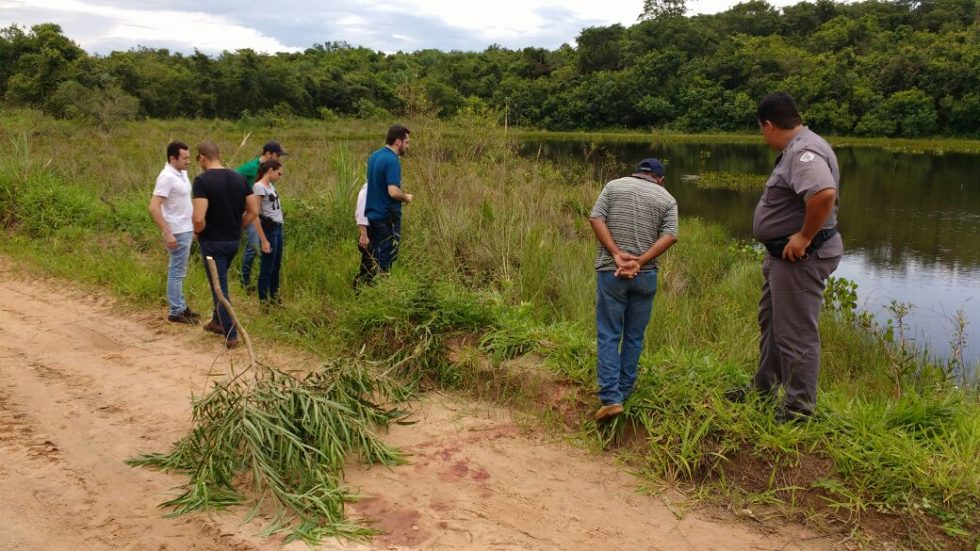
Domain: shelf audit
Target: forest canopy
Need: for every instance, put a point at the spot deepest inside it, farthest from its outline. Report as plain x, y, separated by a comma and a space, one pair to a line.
869, 68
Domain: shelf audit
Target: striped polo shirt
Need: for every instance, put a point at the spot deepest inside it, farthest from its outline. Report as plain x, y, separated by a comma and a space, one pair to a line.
637, 212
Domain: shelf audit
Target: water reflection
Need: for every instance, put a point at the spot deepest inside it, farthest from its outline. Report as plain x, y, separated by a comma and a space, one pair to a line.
936, 292
911, 222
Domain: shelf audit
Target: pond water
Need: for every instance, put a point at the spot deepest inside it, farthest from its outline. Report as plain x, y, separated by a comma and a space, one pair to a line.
910, 222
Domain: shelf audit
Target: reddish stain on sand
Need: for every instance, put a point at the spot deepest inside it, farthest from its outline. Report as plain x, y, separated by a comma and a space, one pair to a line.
480, 474
447, 453
395, 523
439, 506
460, 469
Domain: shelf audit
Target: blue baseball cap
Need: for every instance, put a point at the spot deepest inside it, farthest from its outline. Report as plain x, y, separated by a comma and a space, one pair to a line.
653, 166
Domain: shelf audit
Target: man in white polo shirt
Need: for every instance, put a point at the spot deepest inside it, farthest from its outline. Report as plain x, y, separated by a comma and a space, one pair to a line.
171, 209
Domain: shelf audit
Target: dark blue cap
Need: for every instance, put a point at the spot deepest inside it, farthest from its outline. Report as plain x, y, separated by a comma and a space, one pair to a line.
653, 166
273, 146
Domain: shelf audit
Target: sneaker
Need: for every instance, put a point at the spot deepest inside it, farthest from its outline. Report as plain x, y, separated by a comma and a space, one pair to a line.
190, 313
270, 303
214, 327
787, 414
182, 318
737, 394
740, 395
231, 343
605, 412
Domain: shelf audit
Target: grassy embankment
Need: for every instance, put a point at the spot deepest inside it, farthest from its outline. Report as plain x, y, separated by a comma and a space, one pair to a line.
494, 296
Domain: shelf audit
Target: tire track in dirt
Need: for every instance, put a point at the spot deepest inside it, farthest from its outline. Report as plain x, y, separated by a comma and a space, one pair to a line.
83, 390
84, 387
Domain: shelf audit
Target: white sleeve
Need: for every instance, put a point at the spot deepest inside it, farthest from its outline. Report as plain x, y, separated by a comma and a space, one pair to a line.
359, 216
164, 185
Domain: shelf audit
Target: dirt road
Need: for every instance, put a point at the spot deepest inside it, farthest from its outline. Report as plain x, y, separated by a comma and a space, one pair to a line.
84, 387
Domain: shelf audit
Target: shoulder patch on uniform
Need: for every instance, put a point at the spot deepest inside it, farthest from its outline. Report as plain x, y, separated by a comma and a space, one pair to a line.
806, 157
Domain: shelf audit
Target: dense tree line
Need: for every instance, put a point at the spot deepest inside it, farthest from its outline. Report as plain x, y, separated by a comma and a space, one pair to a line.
905, 68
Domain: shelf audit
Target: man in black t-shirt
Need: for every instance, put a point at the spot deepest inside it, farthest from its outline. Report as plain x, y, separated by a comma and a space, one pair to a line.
223, 205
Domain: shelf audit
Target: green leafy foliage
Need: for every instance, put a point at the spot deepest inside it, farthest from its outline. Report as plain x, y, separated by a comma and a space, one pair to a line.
868, 68
285, 438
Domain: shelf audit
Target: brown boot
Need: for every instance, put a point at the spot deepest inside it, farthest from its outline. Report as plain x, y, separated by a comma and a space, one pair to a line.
214, 327
605, 412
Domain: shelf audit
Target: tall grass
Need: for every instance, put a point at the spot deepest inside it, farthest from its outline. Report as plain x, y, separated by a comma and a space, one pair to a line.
494, 293
730, 180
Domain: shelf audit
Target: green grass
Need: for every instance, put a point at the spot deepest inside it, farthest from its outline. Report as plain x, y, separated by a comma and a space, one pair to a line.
494, 294
735, 181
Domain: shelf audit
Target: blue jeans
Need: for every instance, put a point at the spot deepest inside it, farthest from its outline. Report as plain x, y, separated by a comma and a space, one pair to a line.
248, 255
177, 272
223, 253
385, 237
270, 265
622, 311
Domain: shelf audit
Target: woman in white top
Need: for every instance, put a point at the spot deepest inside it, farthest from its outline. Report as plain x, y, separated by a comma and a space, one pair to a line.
269, 227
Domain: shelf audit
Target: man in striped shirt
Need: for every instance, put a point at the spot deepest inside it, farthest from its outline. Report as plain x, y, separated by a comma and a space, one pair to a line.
635, 221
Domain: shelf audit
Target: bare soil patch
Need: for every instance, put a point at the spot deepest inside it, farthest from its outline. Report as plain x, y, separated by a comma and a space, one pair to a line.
84, 386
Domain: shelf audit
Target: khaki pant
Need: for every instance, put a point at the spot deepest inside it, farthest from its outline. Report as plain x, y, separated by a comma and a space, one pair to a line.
789, 314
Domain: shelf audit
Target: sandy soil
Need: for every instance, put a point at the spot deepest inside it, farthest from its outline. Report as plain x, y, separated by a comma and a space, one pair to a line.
84, 387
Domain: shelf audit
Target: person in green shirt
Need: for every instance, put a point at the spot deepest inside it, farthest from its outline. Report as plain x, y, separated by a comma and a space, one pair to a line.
271, 151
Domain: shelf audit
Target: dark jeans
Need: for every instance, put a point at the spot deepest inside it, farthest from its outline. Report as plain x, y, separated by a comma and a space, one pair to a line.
252, 249
385, 238
223, 253
368, 269
270, 265
622, 311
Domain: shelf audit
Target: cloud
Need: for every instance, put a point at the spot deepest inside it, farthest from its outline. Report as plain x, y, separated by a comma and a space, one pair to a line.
101, 26
353, 23
92, 25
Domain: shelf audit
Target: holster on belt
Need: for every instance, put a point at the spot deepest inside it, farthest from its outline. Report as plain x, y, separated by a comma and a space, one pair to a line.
776, 246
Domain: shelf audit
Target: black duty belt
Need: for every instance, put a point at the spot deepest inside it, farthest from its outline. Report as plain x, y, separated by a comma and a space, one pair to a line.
776, 246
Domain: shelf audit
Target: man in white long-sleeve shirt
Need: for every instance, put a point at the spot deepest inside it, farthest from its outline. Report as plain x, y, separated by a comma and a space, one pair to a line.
369, 268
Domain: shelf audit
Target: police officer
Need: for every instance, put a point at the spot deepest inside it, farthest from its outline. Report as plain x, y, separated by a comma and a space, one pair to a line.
796, 219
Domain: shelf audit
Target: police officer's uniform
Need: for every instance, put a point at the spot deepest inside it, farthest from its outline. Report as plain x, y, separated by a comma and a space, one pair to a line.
793, 291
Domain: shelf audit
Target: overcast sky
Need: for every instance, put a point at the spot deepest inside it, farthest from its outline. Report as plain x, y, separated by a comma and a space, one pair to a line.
101, 26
